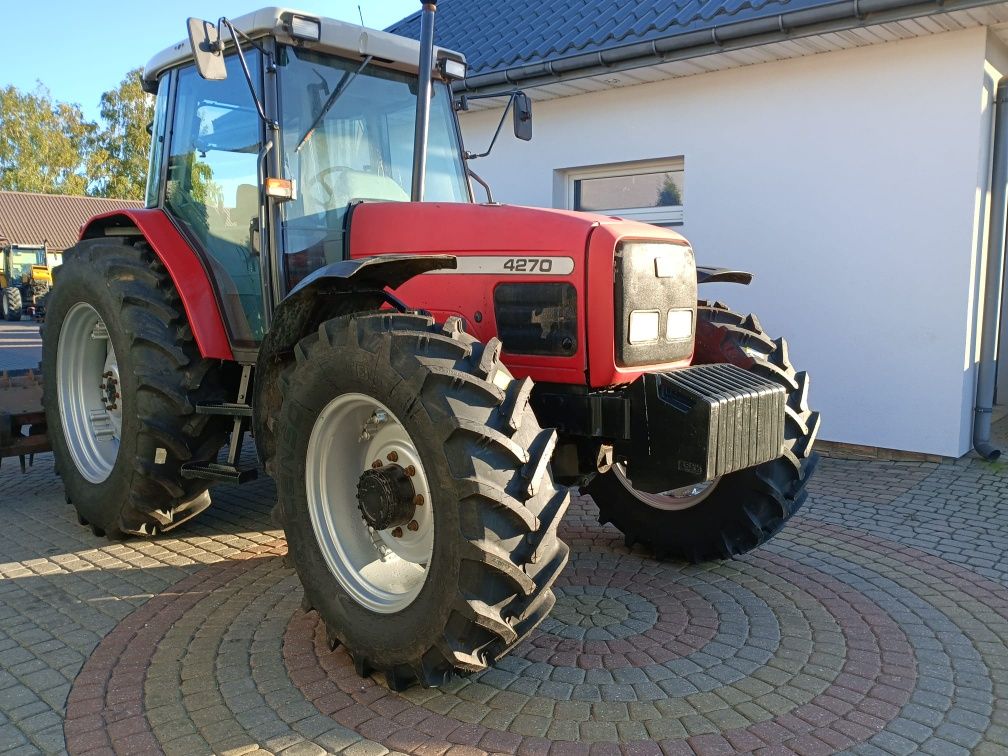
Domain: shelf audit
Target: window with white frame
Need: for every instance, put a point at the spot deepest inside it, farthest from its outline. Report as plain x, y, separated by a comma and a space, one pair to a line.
651, 192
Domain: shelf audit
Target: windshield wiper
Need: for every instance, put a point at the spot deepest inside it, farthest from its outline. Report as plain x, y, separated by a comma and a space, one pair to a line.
327, 106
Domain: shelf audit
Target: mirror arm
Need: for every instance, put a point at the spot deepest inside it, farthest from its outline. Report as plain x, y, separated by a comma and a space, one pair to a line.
511, 99
479, 180
271, 125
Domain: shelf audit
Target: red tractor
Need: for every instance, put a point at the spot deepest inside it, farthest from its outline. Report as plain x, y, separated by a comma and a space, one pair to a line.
312, 266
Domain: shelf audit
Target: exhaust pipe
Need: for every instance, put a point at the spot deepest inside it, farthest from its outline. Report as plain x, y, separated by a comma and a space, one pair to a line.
987, 362
423, 99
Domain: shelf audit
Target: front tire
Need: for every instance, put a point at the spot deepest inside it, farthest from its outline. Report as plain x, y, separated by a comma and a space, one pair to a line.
122, 376
739, 511
11, 303
463, 467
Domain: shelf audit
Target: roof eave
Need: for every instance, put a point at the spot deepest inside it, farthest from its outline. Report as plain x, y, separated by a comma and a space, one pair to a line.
838, 16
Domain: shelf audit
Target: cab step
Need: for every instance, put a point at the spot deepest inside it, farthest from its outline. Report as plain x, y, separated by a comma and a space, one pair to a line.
227, 409
217, 472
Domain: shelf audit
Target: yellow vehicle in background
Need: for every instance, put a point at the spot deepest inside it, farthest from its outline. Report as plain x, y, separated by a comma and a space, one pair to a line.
25, 280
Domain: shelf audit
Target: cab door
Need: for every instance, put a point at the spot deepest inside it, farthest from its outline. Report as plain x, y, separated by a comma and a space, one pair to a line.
212, 188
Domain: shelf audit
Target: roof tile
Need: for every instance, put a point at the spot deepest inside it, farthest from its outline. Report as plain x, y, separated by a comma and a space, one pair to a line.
495, 35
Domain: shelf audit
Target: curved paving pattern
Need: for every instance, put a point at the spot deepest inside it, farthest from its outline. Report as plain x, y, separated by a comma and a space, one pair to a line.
829, 639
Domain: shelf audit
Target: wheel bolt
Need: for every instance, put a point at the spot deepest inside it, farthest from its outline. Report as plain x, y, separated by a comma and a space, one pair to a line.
410, 470
376, 464
418, 500
413, 525
392, 456
397, 533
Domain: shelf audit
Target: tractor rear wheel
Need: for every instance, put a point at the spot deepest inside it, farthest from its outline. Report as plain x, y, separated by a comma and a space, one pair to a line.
122, 376
11, 303
415, 492
740, 511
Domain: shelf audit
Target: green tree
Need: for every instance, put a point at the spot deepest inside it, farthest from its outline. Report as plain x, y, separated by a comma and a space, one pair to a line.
118, 162
669, 194
43, 143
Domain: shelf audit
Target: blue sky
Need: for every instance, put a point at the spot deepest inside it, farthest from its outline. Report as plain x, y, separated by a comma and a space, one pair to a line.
80, 49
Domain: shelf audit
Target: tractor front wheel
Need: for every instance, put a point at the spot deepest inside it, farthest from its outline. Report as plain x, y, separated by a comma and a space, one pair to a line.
11, 303
737, 512
415, 492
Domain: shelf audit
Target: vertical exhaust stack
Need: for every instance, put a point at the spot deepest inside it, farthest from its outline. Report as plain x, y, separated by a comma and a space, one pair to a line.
423, 99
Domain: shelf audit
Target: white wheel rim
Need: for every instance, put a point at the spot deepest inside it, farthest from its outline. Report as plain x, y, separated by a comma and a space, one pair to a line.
673, 500
383, 570
89, 392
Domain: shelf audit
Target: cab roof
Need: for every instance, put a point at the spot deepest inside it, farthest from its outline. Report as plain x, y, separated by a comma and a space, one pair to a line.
337, 37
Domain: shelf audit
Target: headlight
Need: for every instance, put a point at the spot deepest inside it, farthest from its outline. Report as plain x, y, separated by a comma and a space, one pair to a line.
644, 326
679, 325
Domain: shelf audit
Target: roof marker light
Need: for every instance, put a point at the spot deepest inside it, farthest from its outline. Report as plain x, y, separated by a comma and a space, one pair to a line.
306, 28
453, 69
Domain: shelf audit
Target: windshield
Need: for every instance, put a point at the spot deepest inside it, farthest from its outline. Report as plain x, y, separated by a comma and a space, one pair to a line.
361, 149
22, 261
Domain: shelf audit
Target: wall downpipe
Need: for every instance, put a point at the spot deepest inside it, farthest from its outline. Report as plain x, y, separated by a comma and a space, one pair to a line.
987, 364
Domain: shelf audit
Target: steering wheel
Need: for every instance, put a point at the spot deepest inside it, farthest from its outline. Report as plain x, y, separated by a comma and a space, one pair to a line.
322, 179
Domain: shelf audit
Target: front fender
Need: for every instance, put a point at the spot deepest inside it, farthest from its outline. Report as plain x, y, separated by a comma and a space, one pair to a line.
187, 272
338, 289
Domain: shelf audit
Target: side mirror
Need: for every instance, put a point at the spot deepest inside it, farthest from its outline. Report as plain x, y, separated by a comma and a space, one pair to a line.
207, 52
522, 116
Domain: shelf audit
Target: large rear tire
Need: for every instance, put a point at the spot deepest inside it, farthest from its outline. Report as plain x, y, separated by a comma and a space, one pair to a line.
12, 303
415, 492
122, 376
740, 511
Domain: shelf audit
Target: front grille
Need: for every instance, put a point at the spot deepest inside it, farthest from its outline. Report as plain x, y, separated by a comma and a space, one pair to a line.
735, 418
653, 277
537, 318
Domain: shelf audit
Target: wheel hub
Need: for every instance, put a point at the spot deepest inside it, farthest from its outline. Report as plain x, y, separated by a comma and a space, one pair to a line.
110, 391
89, 392
385, 497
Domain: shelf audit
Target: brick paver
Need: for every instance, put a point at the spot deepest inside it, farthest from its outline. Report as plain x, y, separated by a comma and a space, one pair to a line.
876, 623
20, 345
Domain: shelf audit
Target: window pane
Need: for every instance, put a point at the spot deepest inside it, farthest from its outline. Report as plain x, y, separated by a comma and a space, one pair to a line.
213, 186
658, 189
360, 149
157, 143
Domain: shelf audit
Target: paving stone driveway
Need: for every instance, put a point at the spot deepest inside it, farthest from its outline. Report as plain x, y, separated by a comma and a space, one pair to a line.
876, 623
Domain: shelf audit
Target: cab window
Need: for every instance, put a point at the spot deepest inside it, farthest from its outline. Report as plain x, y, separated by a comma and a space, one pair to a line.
348, 136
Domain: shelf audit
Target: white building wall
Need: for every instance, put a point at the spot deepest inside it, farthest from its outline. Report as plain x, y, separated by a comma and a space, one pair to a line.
851, 183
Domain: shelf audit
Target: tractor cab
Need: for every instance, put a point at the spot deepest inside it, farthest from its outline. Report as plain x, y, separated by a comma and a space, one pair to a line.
23, 264
261, 181
25, 278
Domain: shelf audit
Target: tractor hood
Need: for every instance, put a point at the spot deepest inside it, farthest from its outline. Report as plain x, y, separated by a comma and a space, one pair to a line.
568, 294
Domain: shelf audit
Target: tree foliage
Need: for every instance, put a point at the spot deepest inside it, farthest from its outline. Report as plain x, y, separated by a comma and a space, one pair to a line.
43, 143
669, 194
119, 159
48, 146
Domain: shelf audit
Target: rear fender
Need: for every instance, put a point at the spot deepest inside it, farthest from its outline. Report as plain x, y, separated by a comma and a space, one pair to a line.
722, 275
341, 288
183, 265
